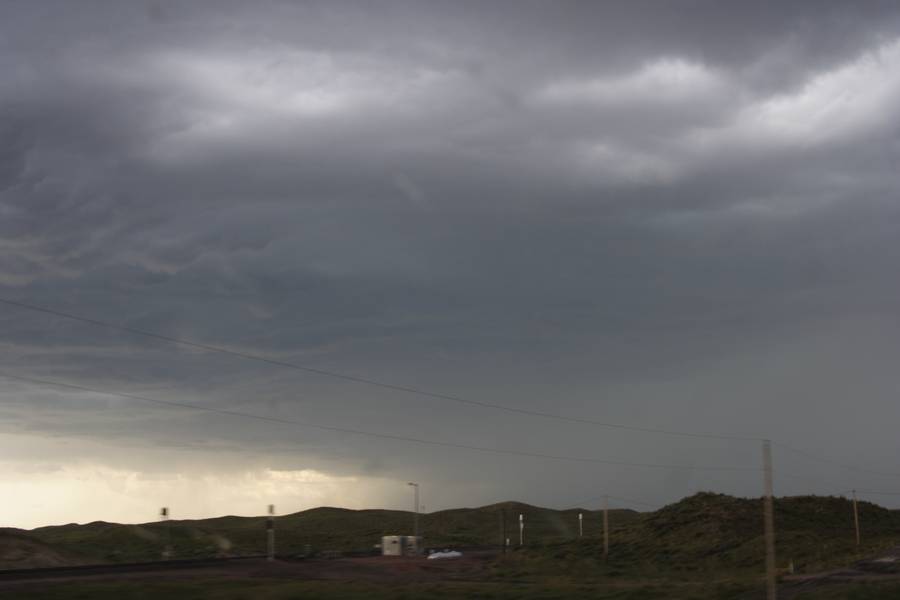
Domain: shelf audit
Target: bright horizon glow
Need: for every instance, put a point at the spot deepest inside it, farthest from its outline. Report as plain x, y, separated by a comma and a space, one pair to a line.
90, 489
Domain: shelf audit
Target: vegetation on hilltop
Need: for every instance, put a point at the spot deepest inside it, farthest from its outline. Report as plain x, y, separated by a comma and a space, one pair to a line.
715, 533
311, 531
697, 534
20, 550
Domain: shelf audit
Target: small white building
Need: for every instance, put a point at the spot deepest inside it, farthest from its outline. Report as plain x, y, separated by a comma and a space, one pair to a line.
401, 545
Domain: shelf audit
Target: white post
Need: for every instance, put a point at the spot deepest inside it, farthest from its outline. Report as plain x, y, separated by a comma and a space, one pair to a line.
270, 533
521, 530
769, 521
856, 517
580, 525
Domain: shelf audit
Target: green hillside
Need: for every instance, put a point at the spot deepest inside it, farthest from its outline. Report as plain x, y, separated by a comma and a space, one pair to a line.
715, 533
703, 532
20, 550
315, 530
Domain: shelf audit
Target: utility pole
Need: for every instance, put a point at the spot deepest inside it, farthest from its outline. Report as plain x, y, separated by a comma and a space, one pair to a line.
605, 528
415, 487
580, 524
270, 533
521, 530
856, 517
504, 541
769, 521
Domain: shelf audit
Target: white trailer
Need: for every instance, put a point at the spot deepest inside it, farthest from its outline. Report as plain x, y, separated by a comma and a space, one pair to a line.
401, 545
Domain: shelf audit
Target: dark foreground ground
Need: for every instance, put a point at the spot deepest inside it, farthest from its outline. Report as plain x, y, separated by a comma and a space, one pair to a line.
476, 575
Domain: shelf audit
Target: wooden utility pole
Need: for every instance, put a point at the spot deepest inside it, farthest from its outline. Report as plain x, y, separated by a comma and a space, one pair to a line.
856, 517
415, 487
605, 527
769, 521
503, 539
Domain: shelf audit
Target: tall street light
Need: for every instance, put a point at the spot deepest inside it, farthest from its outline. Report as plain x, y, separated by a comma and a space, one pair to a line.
416, 513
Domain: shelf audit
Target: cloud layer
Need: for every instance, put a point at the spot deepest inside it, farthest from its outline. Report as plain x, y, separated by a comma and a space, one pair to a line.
677, 217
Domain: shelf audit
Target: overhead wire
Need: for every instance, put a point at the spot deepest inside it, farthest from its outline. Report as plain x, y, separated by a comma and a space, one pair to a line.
610, 496
423, 392
368, 381
247, 415
828, 461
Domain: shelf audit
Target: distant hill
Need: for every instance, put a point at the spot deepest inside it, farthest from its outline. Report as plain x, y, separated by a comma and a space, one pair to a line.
704, 531
313, 530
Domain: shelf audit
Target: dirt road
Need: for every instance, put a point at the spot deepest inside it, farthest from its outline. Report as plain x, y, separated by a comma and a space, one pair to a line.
371, 569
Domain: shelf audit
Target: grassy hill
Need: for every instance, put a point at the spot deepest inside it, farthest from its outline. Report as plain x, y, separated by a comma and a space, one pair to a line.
703, 532
715, 533
19, 550
315, 530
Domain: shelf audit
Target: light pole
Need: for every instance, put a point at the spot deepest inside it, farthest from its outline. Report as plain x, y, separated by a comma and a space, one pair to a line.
270, 534
164, 517
416, 511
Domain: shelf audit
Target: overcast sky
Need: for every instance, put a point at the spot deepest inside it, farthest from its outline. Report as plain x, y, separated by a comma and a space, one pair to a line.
679, 215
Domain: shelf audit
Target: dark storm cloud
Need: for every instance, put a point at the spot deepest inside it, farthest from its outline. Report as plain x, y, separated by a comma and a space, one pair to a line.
609, 211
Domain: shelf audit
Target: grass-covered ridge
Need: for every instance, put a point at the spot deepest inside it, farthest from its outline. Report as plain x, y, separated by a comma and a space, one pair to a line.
699, 533
314, 530
715, 533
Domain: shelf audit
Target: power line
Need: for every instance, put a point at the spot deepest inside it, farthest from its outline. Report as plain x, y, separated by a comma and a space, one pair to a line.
247, 415
829, 461
620, 498
841, 490
367, 381
633, 501
815, 480
425, 393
